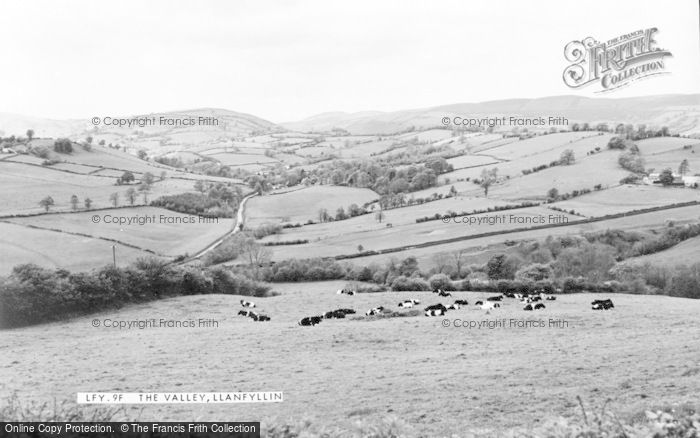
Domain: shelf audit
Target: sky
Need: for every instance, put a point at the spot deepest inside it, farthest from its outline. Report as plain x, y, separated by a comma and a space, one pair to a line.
287, 60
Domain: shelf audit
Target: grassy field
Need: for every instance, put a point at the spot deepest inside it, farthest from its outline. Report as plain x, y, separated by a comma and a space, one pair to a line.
344, 240
53, 250
686, 252
302, 205
626, 198
166, 236
441, 380
425, 255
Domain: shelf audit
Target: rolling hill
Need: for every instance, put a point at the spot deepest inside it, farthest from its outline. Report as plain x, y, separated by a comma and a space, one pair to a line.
681, 113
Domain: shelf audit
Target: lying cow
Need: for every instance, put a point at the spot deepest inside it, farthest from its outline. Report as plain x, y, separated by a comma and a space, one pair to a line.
375, 311
435, 312
345, 292
438, 306
479, 303
310, 320
551, 298
539, 306
245, 303
406, 304
489, 305
497, 298
602, 304
462, 302
453, 307
260, 318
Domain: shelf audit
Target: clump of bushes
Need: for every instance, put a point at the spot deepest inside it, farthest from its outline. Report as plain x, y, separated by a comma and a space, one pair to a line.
402, 283
266, 230
441, 281
195, 204
33, 295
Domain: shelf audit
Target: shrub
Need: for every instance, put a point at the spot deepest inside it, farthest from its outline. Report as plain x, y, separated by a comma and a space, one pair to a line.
441, 281
402, 283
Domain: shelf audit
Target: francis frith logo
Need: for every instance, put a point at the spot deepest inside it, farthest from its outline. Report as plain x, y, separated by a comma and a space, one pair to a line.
614, 63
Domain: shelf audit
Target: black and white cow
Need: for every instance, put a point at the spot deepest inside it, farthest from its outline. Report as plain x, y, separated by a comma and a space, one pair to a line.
375, 311
260, 318
551, 298
444, 294
462, 302
408, 303
496, 298
435, 310
310, 320
243, 312
245, 303
490, 305
345, 292
453, 307
479, 303
539, 306
528, 307
602, 304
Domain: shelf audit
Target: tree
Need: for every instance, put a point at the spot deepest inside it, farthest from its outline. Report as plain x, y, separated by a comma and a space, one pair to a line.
340, 214
131, 195
163, 175
453, 191
47, 202
114, 197
74, 202
127, 177
458, 257
441, 261
666, 177
88, 139
200, 186
379, 216
323, 215
360, 248
88, 203
142, 154
553, 194
488, 178
617, 143
30, 134
567, 157
63, 146
684, 167
255, 253
147, 180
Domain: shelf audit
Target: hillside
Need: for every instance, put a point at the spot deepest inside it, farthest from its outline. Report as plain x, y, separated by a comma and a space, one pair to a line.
681, 113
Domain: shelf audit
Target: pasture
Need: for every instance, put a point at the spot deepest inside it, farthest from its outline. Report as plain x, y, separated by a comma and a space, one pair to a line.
627, 198
337, 240
441, 380
477, 245
302, 205
169, 233
52, 249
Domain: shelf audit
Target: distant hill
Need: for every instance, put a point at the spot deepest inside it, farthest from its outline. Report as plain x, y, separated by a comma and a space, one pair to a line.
231, 125
681, 113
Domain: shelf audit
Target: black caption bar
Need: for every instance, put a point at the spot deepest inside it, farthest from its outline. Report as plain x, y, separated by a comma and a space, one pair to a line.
140, 429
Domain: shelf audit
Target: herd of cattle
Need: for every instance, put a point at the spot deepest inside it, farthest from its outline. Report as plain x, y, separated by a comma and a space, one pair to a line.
531, 302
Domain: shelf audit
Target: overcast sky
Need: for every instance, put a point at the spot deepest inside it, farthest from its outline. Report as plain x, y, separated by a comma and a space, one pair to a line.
286, 60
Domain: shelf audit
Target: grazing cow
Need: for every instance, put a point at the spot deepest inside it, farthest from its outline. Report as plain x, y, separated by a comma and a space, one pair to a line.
528, 307
453, 307
245, 303
602, 304
435, 312
539, 306
260, 318
444, 294
243, 312
310, 320
551, 298
406, 304
479, 303
461, 302
375, 311
345, 292
438, 306
497, 298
